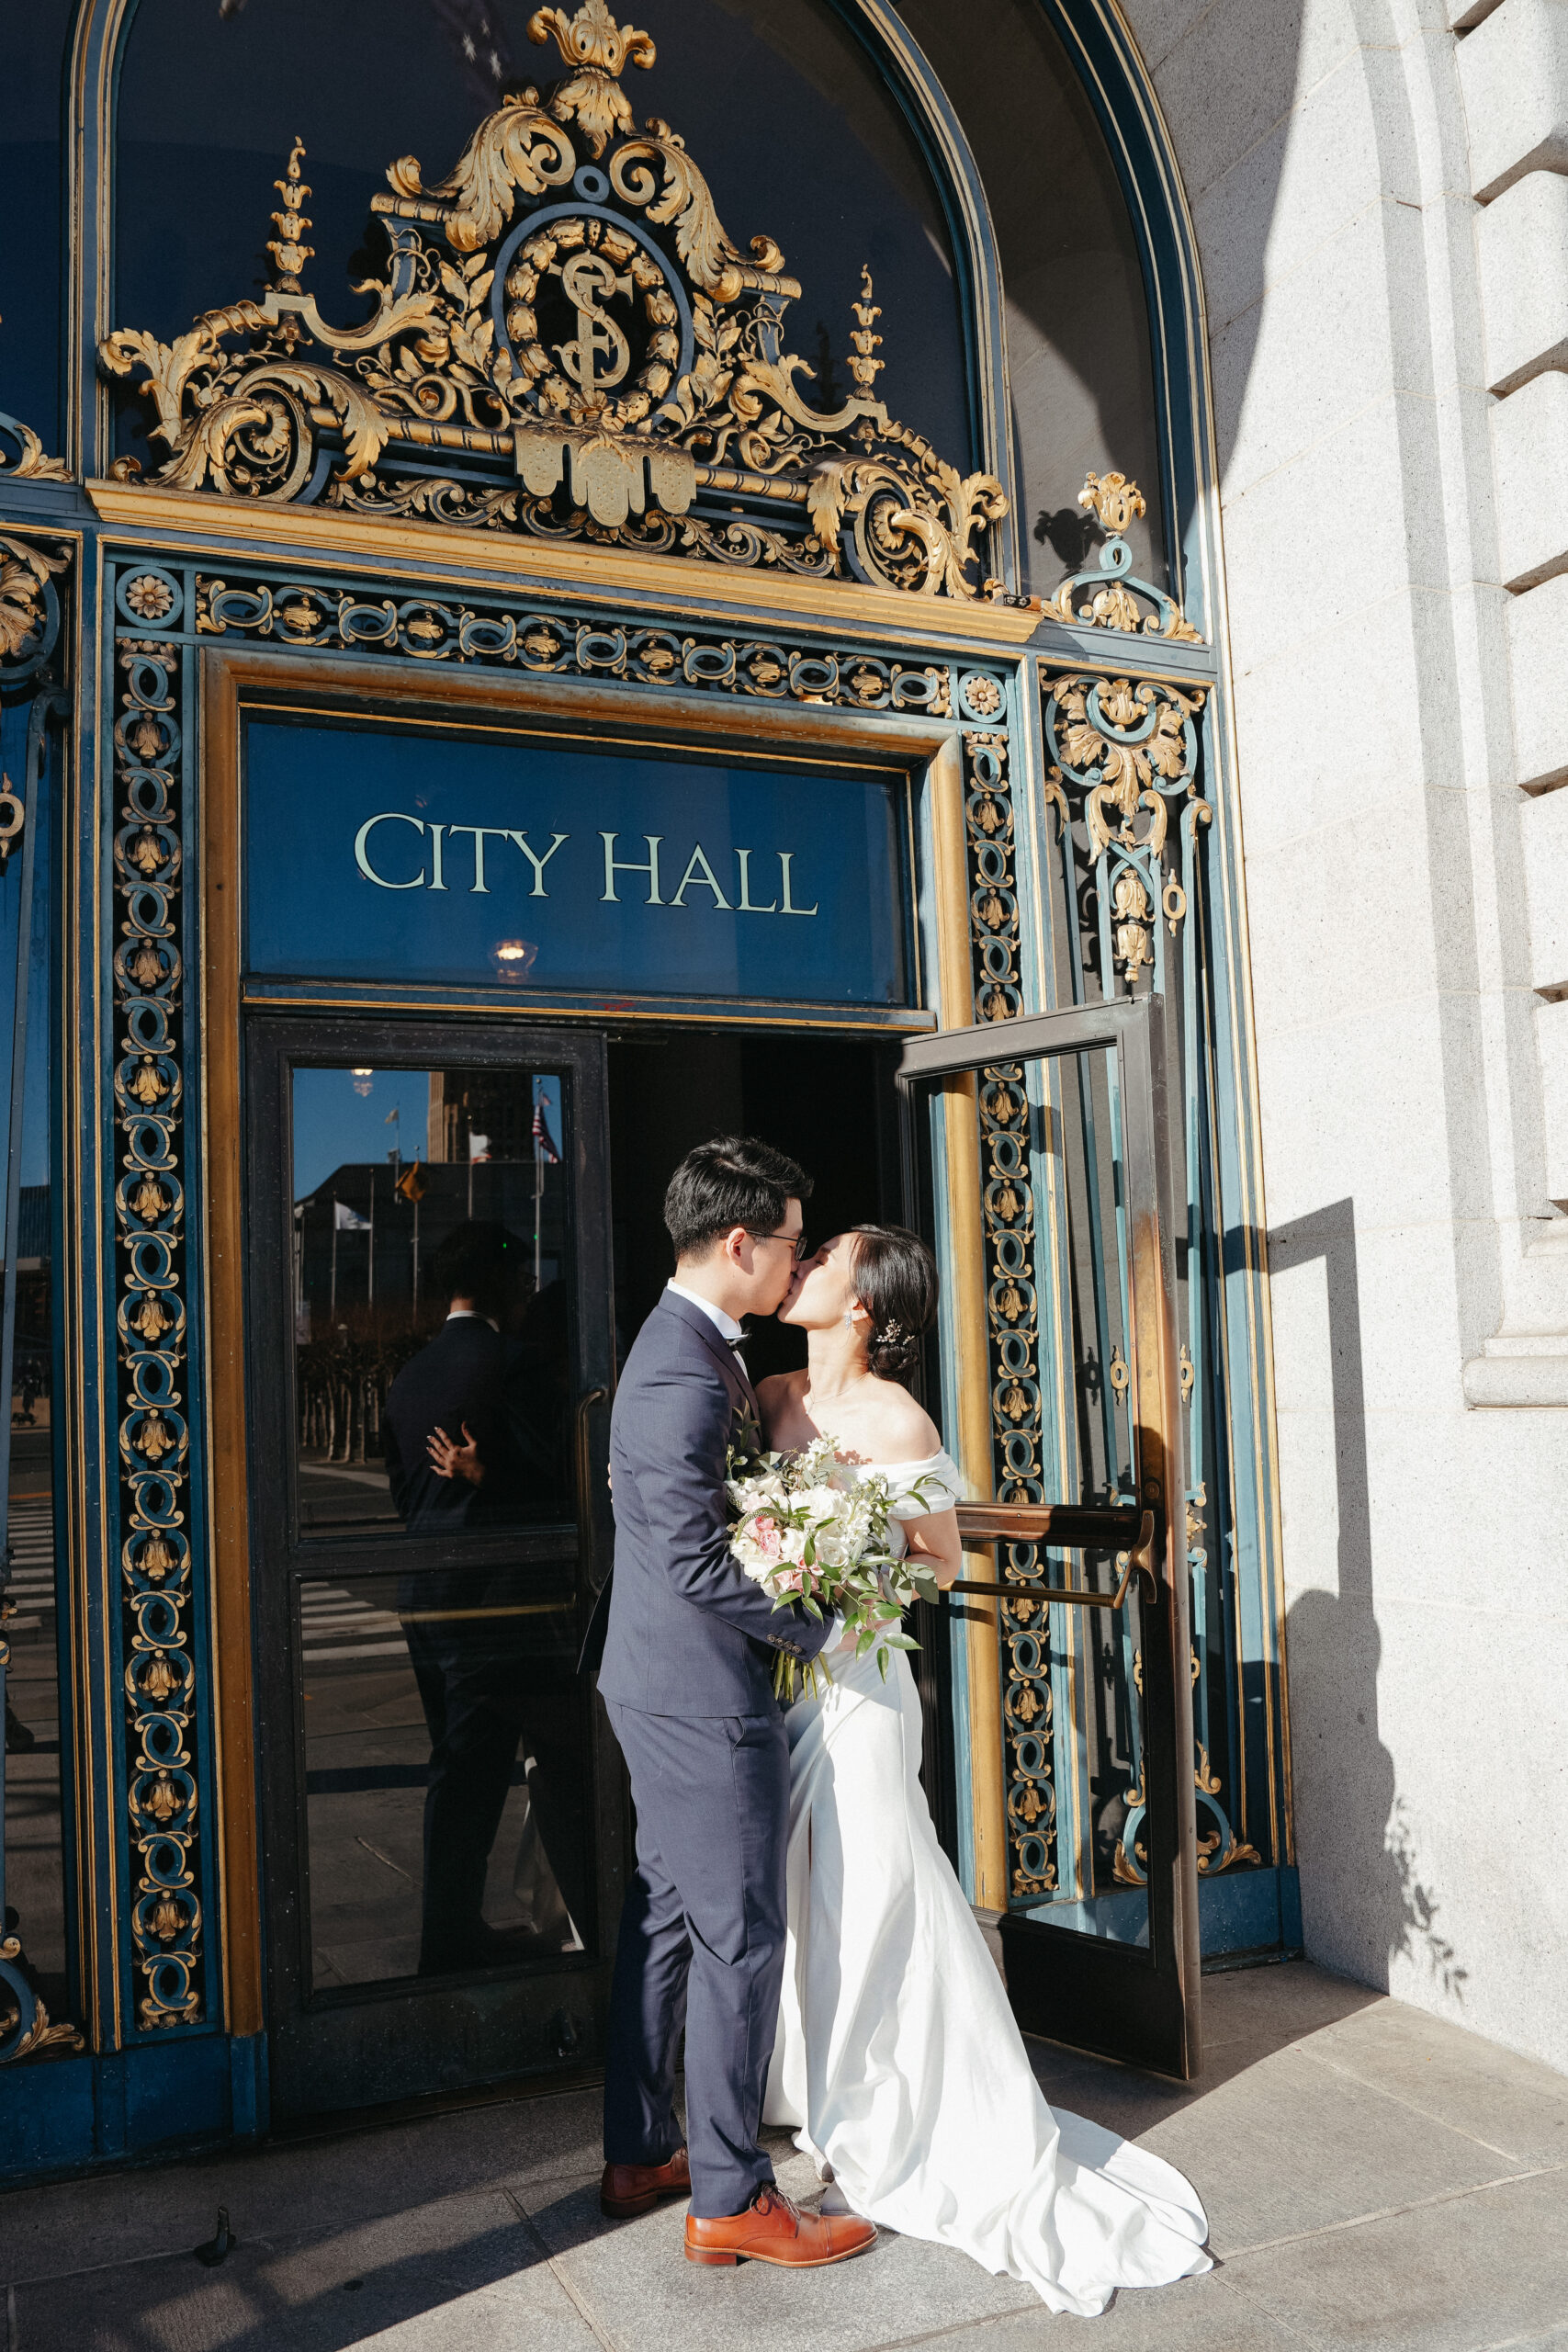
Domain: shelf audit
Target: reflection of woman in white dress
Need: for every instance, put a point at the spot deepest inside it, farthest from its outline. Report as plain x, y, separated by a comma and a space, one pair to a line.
898, 2061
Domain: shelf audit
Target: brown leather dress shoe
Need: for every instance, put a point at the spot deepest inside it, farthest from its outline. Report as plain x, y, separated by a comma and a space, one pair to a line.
629, 2189
773, 2229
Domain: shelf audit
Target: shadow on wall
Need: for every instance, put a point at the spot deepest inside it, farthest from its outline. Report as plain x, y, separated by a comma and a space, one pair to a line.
1233, 187
1364, 1904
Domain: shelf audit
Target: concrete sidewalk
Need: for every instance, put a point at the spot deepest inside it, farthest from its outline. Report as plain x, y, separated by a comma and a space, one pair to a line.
1373, 2179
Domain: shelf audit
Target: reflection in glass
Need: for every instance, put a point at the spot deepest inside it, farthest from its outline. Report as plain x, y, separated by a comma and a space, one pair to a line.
445, 1774
1102, 1794
1063, 1374
784, 109
431, 1300
35, 1893
443, 1724
1080, 371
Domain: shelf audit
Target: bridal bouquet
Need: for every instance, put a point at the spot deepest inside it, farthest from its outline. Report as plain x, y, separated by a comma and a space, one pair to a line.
812, 1531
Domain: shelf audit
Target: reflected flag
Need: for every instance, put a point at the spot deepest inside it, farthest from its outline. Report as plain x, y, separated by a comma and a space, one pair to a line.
348, 1220
543, 1147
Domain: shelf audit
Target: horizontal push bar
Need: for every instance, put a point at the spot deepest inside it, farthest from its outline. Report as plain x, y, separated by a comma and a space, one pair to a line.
1068, 1527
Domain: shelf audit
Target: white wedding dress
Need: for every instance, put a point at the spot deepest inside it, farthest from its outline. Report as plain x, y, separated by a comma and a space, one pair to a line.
897, 2061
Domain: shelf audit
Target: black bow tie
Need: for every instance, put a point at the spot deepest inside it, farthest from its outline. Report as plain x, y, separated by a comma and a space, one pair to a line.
738, 1342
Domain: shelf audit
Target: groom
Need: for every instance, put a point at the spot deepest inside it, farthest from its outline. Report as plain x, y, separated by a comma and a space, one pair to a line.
687, 1677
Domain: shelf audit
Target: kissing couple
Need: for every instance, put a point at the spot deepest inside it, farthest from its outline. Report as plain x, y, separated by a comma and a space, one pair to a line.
791, 1908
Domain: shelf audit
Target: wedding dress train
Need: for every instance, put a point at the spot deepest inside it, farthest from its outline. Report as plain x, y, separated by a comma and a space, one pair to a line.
899, 2061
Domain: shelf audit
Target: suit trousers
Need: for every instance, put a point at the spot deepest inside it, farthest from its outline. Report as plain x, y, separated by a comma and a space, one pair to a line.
479, 1717
702, 1944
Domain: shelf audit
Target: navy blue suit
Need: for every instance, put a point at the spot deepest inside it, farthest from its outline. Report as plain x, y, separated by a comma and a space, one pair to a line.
687, 1676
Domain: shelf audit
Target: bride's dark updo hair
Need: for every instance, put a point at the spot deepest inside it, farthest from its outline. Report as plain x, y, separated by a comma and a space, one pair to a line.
895, 1278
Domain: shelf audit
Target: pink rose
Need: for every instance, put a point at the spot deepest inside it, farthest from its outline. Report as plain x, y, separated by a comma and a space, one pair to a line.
766, 1536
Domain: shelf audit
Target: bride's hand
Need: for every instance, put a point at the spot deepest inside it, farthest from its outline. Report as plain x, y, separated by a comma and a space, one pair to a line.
450, 1461
841, 1641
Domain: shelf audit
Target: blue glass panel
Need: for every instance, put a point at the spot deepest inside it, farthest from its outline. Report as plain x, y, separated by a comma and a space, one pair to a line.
30, 254
779, 103
376, 854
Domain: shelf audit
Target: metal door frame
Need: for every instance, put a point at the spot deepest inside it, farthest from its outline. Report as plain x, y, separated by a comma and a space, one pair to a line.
1129, 2002
495, 2006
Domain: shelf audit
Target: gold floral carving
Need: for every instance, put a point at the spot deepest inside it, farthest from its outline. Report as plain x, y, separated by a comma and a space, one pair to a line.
1113, 500
615, 371
156, 1566
31, 465
25, 571
601, 50
1127, 750
40, 2034
1114, 598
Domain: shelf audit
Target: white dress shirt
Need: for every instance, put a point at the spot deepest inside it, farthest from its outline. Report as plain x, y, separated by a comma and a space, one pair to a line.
725, 1325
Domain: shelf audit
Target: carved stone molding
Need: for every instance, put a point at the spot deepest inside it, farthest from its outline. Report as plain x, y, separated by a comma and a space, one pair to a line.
565, 343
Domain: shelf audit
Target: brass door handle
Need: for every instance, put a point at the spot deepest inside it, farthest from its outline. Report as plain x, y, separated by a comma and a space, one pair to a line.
1070, 1529
582, 1465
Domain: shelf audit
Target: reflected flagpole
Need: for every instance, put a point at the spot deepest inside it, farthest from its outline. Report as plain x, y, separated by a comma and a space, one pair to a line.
409, 1187
544, 1149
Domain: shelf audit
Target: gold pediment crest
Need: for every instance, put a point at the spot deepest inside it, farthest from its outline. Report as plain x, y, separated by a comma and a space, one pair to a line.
565, 343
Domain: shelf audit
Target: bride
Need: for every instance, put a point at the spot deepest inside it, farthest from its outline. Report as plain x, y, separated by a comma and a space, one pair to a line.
898, 2061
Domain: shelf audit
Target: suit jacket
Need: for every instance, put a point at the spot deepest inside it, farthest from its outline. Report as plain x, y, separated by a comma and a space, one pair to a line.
460, 1376
685, 1630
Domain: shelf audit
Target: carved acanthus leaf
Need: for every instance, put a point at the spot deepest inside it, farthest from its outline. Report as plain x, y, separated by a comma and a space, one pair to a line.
171, 365
716, 263
517, 147
25, 570
601, 50
32, 465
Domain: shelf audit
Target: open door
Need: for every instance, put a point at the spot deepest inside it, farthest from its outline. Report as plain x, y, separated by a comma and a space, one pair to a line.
1041, 1162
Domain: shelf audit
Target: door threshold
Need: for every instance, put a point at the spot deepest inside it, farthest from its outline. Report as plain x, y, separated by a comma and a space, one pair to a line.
344, 2122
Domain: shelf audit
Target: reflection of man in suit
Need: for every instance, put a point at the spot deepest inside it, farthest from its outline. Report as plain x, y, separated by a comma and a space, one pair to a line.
489, 1676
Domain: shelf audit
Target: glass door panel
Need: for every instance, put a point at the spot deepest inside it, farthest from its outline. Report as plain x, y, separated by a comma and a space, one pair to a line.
380, 1237
1042, 1140
432, 1354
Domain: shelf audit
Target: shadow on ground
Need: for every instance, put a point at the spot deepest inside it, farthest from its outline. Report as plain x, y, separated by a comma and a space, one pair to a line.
1354, 2155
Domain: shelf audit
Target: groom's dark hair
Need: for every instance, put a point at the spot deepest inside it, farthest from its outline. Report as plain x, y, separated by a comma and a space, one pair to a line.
733, 1181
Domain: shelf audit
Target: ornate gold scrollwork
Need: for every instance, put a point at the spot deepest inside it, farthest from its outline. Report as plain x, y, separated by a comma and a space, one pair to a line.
1128, 752
1012, 1299
40, 2034
601, 50
30, 611
1111, 591
155, 1554
612, 369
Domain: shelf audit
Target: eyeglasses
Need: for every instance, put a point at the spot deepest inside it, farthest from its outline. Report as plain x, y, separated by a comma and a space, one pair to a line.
799, 1246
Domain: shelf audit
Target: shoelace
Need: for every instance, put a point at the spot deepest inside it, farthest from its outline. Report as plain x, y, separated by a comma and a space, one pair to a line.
769, 2195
